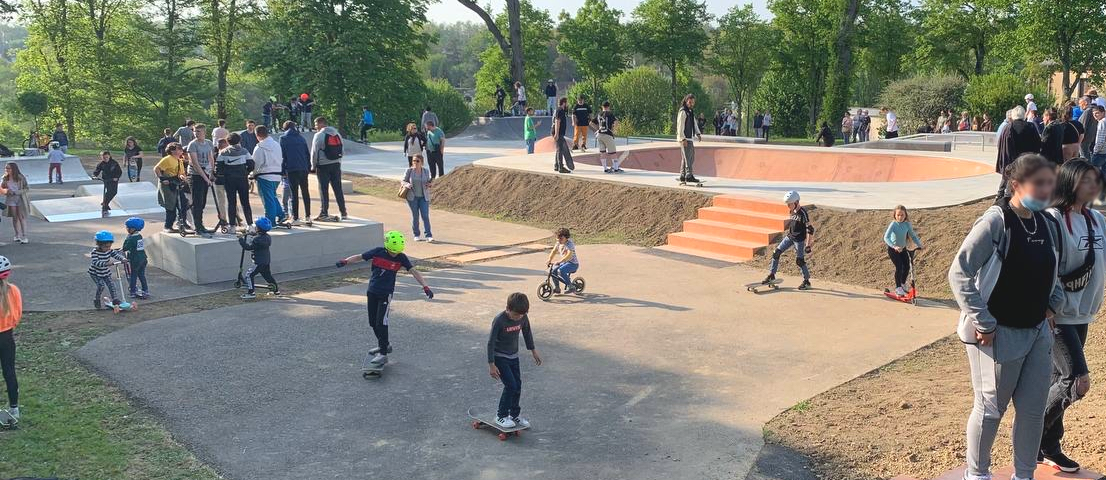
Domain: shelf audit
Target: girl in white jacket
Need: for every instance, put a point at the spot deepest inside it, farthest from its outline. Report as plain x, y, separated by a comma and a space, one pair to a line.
1081, 275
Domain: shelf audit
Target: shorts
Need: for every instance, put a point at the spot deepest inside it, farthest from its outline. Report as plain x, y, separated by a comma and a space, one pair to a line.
606, 143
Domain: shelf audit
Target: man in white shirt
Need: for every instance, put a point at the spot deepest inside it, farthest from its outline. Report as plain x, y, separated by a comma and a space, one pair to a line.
520, 104
892, 123
268, 159
765, 125
1030, 105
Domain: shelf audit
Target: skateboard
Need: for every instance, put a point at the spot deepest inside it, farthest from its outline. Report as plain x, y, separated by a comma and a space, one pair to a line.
7, 420
132, 168
685, 183
330, 218
372, 370
773, 285
488, 419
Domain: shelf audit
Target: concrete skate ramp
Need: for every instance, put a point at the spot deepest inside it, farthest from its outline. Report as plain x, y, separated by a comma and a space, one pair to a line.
802, 165
504, 128
136, 198
36, 167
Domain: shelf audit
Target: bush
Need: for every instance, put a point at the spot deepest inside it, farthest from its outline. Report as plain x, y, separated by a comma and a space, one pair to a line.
996, 93
919, 99
779, 94
641, 98
448, 104
584, 88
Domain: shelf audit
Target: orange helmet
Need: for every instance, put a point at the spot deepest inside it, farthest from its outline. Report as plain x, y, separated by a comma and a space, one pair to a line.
303, 97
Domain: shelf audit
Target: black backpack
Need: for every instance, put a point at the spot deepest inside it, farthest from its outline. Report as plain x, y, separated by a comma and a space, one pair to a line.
332, 147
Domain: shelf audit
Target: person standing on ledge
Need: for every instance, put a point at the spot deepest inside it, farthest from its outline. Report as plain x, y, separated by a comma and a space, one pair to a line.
892, 126
550, 96
687, 130
766, 124
563, 158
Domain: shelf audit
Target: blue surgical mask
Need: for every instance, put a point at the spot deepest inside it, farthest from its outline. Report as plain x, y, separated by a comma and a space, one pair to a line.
1033, 204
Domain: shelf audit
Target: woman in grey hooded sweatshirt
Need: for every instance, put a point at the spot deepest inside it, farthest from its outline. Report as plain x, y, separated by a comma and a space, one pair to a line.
1081, 276
1004, 279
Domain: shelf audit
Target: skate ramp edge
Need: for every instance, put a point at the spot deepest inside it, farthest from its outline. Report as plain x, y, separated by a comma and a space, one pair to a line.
209, 260
35, 168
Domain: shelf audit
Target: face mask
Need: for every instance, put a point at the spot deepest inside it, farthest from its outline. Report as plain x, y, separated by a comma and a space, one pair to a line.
1033, 204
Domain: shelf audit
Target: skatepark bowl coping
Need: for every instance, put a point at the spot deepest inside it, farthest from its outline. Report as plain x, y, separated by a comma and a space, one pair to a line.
803, 164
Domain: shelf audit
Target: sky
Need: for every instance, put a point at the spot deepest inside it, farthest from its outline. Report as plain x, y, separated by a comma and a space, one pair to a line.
449, 11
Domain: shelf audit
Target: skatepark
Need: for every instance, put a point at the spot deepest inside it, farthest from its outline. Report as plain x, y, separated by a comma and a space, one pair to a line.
665, 367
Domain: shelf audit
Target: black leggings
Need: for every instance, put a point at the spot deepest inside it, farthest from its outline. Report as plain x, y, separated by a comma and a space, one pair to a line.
437, 163
902, 266
378, 318
297, 183
7, 364
238, 190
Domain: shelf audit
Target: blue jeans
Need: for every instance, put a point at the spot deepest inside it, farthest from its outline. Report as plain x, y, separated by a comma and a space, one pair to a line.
800, 256
420, 206
562, 272
138, 275
530, 146
511, 377
1099, 160
269, 199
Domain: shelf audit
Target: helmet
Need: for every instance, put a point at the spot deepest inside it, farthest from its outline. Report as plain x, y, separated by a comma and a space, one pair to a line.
135, 223
104, 236
303, 96
1029, 96
55, 145
5, 267
263, 224
791, 197
394, 242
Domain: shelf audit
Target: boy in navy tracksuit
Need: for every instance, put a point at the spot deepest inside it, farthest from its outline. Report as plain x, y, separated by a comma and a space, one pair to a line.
503, 357
259, 248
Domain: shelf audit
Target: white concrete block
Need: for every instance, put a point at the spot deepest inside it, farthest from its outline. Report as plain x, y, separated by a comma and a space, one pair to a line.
36, 167
201, 260
125, 188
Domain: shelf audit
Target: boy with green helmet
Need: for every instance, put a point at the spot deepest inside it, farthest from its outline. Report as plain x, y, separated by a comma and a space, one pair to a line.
386, 263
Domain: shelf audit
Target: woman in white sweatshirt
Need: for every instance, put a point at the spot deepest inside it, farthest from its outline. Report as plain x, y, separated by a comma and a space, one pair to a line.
1081, 274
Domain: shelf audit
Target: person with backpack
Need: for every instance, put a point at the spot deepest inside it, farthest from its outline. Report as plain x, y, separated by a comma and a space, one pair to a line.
326, 162
1081, 274
435, 150
428, 116
413, 143
1004, 278
297, 165
268, 160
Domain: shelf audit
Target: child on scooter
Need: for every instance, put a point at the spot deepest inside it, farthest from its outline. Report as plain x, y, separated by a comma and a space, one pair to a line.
562, 258
896, 236
135, 248
100, 269
259, 248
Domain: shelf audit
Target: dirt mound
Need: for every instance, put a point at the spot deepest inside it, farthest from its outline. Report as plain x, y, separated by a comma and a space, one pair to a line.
596, 211
849, 247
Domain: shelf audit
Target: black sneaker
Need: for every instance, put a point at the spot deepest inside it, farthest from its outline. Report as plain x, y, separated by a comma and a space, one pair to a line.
564, 170
769, 279
1059, 461
805, 285
692, 180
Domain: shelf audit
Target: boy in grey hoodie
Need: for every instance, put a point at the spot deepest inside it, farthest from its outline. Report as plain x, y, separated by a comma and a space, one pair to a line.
1004, 279
326, 162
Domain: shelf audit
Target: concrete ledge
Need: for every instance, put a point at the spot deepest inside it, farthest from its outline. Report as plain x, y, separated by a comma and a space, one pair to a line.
209, 260
907, 145
125, 188
729, 139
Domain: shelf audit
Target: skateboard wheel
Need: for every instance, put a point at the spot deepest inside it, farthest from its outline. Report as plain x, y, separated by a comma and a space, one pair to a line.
518, 433
476, 425
503, 437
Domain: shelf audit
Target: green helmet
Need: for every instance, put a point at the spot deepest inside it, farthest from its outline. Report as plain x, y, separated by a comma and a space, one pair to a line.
394, 242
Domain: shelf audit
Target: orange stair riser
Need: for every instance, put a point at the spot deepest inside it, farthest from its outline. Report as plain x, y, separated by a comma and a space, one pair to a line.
728, 232
742, 219
751, 205
707, 245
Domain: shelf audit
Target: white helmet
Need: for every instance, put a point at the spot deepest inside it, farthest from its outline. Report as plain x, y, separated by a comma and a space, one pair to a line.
1028, 97
5, 267
791, 197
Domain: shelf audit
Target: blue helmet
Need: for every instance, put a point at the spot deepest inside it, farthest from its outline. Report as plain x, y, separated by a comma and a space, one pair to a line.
135, 223
104, 236
263, 224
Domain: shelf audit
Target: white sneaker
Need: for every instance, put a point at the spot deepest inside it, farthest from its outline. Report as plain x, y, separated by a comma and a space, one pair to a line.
379, 360
24, 240
417, 238
522, 422
505, 422
900, 292
968, 476
429, 239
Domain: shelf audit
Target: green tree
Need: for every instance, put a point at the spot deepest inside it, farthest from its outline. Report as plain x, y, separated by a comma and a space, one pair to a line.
807, 29
836, 99
920, 98
1071, 34
886, 37
780, 92
671, 33
537, 30
33, 103
221, 31
593, 39
640, 98
512, 48
738, 49
327, 54
956, 36
996, 93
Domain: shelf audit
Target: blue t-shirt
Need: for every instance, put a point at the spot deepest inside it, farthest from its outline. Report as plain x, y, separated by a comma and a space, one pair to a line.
384, 268
367, 117
434, 140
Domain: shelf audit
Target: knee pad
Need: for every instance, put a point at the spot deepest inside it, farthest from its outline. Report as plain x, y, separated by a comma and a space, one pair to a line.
776, 254
800, 261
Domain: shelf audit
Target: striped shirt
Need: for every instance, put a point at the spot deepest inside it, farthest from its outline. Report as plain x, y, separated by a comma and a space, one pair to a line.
101, 262
1100, 140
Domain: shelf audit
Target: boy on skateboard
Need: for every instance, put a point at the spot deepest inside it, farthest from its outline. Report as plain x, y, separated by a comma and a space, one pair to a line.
800, 235
386, 262
503, 358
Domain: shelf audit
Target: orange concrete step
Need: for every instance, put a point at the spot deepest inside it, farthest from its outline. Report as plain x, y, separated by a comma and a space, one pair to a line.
733, 248
751, 204
702, 254
732, 231
743, 217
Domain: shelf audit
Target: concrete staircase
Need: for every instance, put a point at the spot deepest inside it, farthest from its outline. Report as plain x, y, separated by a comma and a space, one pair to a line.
1043, 473
732, 229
